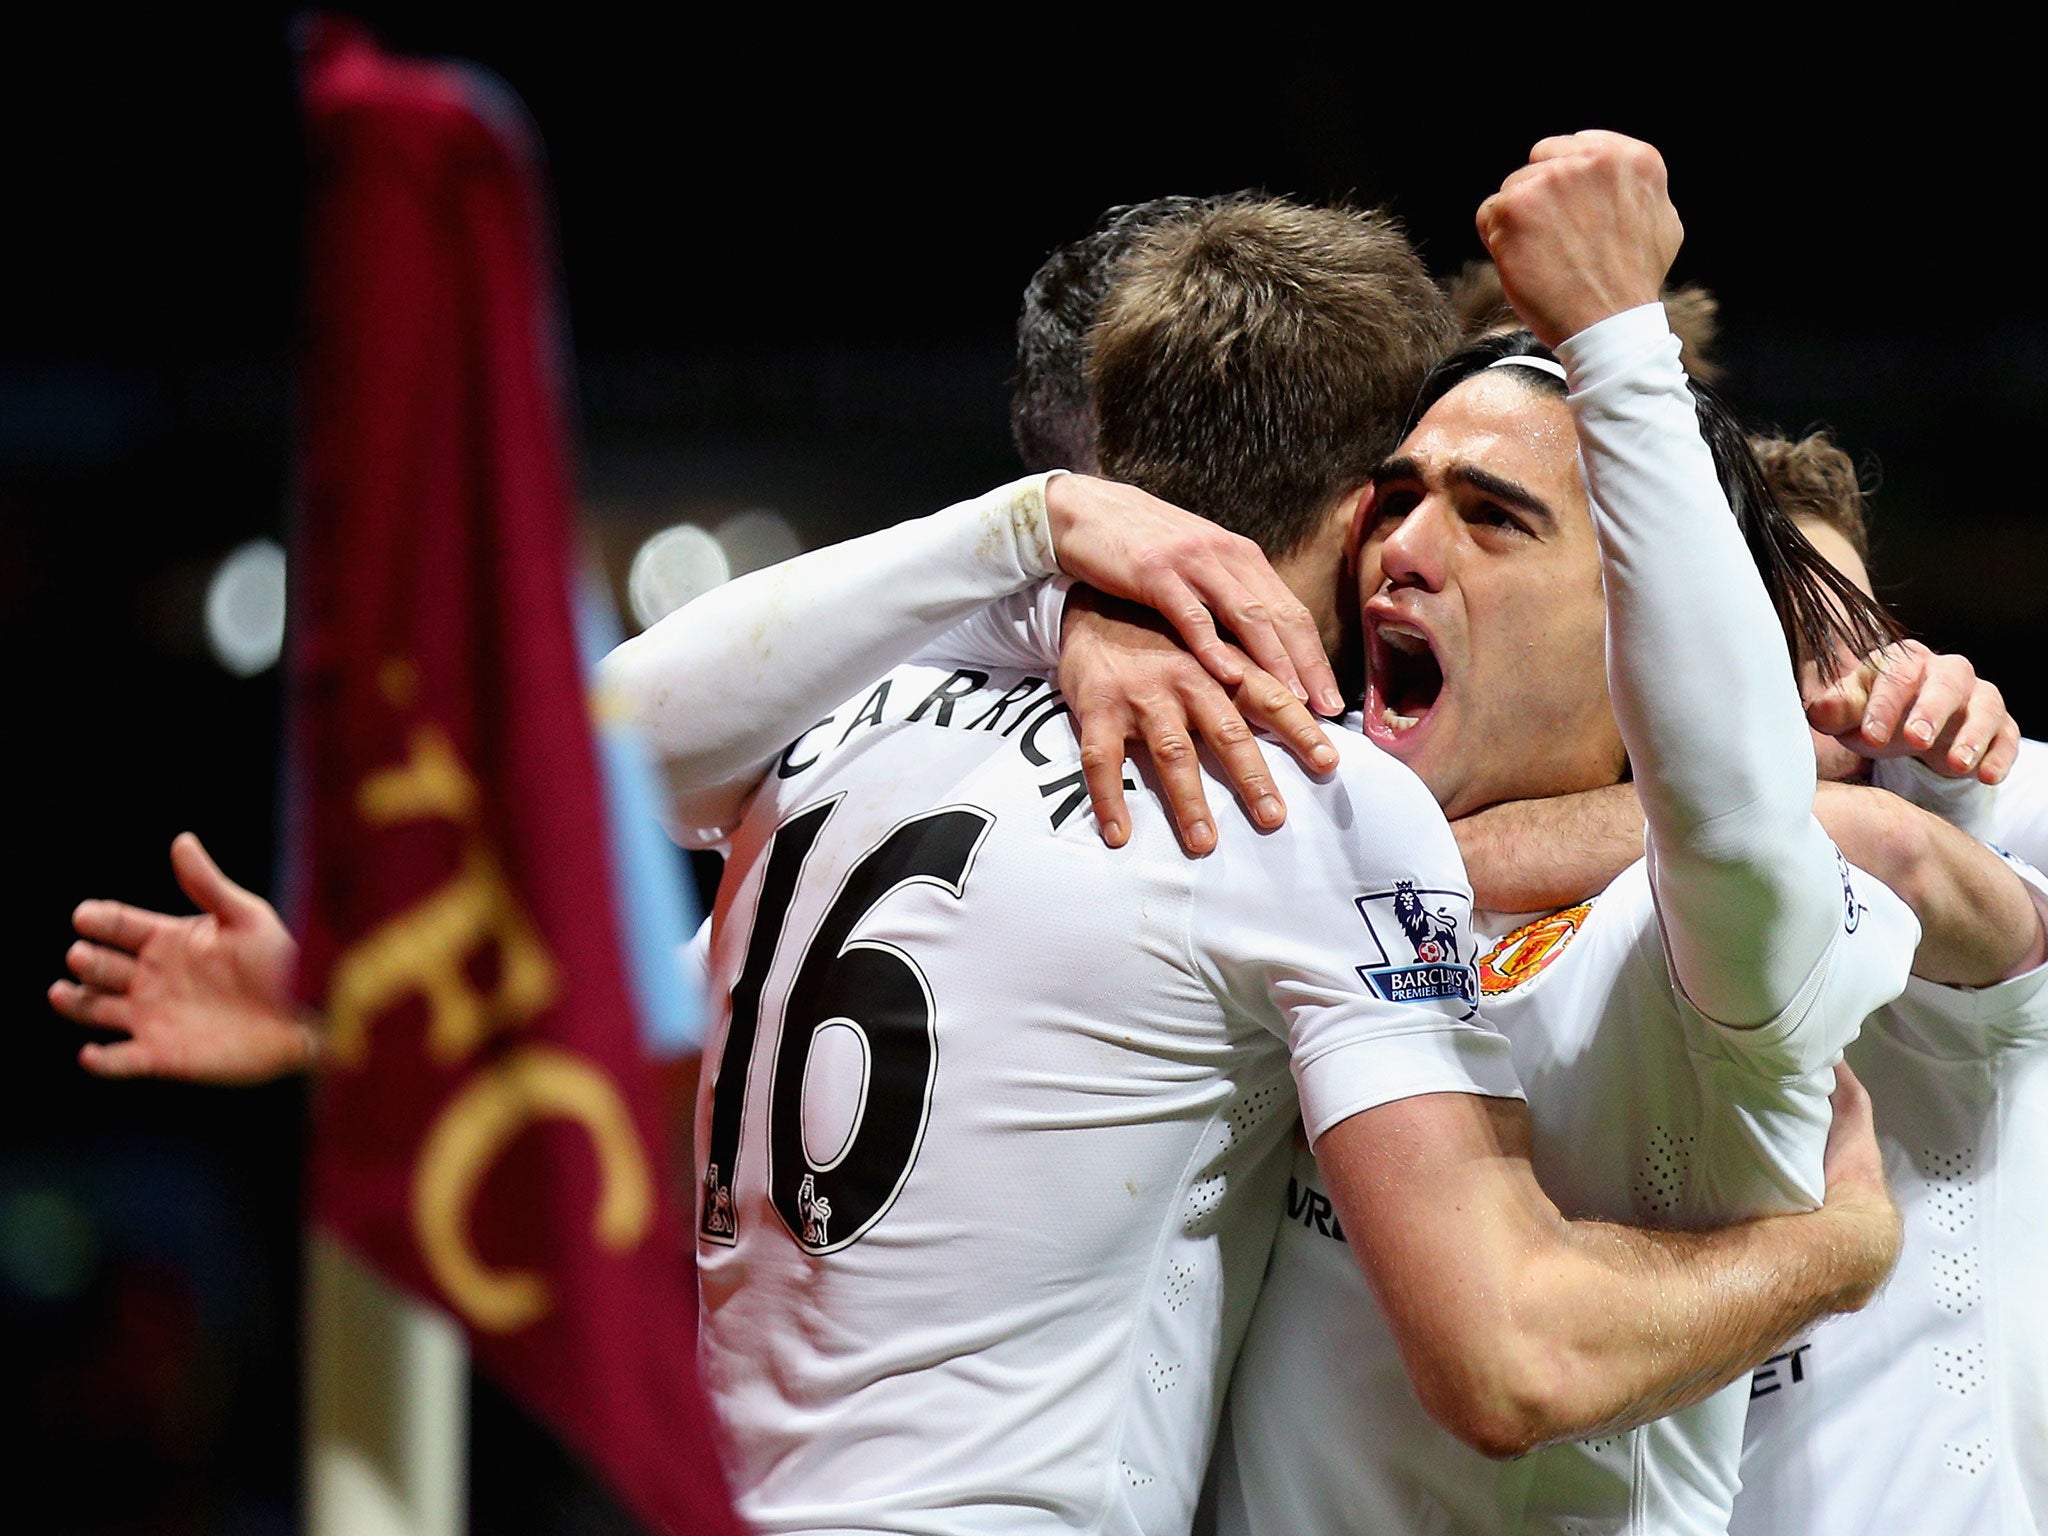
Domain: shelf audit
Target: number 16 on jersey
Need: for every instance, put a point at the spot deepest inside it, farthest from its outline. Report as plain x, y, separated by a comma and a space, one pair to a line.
829, 1197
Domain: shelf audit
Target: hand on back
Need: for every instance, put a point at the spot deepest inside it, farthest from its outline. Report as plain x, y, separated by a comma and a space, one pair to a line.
1128, 679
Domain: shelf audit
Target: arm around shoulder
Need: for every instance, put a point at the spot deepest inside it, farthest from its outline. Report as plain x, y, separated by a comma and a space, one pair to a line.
1980, 922
1539, 855
719, 687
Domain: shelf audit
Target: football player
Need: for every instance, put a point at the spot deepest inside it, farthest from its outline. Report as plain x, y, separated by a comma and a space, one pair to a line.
1000, 1117
1068, 973
1675, 1035
1928, 1413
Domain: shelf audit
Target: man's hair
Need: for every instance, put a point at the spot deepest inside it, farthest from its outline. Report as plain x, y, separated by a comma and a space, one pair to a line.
1052, 408
1253, 361
1822, 613
1812, 477
1482, 309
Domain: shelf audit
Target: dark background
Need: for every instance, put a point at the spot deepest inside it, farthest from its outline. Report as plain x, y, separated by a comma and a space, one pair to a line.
792, 265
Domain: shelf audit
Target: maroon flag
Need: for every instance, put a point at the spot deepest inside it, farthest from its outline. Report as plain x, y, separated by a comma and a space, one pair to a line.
489, 1134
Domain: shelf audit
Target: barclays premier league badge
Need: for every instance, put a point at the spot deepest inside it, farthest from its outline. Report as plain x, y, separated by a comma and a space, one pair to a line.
1420, 955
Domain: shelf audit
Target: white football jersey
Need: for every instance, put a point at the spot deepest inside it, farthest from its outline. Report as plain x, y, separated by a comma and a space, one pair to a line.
2020, 825
1926, 1414
1644, 1112
1642, 1108
2019, 815
995, 1121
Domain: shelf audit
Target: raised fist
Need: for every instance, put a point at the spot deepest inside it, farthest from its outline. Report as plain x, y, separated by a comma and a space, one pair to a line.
1583, 231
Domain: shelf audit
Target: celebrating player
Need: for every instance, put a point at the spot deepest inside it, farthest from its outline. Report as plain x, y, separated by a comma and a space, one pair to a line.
1924, 1411
1005, 1107
1113, 1056
1474, 683
1677, 1049
1929, 1412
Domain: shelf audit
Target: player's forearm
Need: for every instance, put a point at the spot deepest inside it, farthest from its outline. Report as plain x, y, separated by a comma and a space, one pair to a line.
1539, 855
1634, 1324
721, 685
1702, 686
1549, 1330
1978, 920
1608, 1327
1520, 1328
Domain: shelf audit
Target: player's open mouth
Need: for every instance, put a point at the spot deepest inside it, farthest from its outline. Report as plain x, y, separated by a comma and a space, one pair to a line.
1403, 677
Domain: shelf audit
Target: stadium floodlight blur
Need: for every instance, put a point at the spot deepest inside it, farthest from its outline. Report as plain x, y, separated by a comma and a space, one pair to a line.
756, 538
672, 567
245, 608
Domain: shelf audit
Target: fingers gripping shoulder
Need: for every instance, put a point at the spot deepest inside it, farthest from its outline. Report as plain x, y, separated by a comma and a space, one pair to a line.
1368, 819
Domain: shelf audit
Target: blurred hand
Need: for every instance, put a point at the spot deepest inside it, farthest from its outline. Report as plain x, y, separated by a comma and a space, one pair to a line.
205, 999
1128, 544
1953, 721
1583, 231
1127, 679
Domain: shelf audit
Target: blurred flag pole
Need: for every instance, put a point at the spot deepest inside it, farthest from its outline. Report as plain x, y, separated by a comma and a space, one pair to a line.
387, 1412
488, 1161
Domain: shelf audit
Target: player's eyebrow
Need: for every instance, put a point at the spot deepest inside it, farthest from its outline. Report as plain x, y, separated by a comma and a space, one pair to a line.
1500, 488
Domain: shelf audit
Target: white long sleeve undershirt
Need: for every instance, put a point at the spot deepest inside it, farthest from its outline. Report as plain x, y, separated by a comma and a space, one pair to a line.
714, 687
1748, 886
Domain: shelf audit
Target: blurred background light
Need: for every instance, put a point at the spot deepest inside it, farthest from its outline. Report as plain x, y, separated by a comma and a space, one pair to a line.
245, 608
47, 1244
674, 566
756, 538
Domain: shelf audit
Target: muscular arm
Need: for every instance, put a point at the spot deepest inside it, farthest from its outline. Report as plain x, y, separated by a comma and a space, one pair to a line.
1539, 855
1979, 923
1520, 1328
1517, 1326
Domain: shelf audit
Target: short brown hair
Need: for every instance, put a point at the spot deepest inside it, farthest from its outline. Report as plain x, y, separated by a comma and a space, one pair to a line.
1255, 362
1052, 409
1482, 309
1814, 478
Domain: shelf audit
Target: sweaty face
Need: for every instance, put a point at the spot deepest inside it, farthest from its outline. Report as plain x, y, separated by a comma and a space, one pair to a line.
1479, 580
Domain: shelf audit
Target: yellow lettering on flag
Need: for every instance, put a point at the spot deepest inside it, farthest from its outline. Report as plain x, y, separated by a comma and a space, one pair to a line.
531, 1084
431, 785
426, 950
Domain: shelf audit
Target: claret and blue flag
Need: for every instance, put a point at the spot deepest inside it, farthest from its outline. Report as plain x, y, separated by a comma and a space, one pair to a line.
489, 1135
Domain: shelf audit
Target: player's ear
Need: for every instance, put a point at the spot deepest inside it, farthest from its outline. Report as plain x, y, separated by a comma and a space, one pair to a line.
1361, 501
